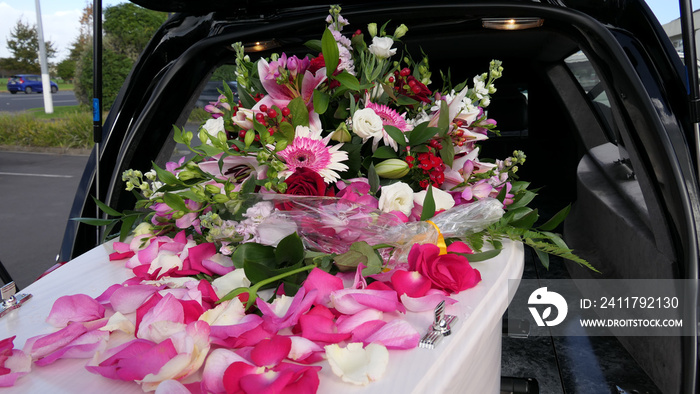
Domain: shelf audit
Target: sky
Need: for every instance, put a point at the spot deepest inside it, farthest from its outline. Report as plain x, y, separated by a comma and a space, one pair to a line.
60, 19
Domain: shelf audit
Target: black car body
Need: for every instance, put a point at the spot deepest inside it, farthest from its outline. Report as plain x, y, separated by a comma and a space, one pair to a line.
605, 122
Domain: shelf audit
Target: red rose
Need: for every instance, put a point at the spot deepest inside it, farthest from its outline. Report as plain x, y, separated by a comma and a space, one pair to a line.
450, 272
317, 64
305, 182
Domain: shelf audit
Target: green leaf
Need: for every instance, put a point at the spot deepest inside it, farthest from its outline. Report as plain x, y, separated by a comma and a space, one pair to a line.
526, 221
95, 222
314, 45
287, 130
166, 176
253, 252
428, 205
522, 199
331, 55
127, 224
373, 179
321, 100
421, 134
396, 134
248, 186
300, 114
476, 257
289, 251
359, 252
444, 119
556, 220
348, 80
384, 152
447, 154
404, 100
106, 209
544, 258
175, 202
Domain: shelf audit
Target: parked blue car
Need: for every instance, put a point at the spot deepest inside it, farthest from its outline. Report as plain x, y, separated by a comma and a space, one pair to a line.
27, 83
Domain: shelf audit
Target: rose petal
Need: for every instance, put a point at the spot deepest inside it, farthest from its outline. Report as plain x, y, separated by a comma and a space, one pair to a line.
74, 308
425, 303
351, 301
270, 352
215, 367
397, 334
356, 365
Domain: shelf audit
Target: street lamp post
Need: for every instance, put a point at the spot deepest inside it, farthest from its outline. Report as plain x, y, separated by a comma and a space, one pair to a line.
45, 81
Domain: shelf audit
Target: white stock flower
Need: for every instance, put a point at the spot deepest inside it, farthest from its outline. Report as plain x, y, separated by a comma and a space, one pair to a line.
443, 200
396, 197
214, 126
381, 47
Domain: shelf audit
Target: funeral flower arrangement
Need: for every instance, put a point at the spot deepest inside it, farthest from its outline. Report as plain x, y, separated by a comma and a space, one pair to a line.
341, 188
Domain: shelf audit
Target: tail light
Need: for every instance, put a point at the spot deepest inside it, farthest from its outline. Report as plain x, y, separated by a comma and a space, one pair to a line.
21, 80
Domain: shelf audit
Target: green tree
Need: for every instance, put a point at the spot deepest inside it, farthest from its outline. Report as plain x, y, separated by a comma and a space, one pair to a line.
23, 45
127, 30
65, 69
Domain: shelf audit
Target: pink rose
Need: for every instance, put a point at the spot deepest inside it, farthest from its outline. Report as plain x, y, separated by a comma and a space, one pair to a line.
450, 272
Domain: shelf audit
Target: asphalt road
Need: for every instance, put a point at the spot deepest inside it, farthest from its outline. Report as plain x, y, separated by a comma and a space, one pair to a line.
21, 101
36, 194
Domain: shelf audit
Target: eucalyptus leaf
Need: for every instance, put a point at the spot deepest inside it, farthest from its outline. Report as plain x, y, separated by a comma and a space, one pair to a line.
444, 119
526, 221
127, 224
314, 45
405, 100
522, 199
544, 258
447, 154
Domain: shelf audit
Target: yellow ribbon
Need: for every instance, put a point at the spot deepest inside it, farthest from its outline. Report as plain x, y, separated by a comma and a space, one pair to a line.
441, 240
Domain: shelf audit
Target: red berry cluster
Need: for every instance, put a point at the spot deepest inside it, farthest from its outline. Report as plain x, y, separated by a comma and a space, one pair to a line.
407, 85
267, 117
433, 167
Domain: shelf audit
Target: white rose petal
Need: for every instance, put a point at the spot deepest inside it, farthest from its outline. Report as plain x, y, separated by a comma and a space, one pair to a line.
233, 280
443, 199
356, 365
227, 313
381, 47
396, 197
367, 124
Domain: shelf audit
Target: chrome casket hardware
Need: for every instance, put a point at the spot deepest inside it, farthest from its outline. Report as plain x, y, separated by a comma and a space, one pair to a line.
11, 300
442, 327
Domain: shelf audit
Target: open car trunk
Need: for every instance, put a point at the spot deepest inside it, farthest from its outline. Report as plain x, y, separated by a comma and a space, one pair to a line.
595, 101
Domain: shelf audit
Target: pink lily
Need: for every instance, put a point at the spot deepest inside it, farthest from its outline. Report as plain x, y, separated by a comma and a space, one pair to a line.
281, 95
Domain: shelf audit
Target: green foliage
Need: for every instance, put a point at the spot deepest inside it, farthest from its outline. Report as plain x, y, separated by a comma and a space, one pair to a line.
128, 28
66, 69
68, 127
115, 69
23, 45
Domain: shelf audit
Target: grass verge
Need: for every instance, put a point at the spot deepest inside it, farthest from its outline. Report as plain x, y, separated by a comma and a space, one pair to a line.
67, 127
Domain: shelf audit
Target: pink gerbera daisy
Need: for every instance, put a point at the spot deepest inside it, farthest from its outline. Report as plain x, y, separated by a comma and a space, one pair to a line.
311, 151
389, 118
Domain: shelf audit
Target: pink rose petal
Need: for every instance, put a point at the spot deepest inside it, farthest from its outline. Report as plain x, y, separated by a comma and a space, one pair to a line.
74, 308
425, 303
397, 334
351, 301
270, 352
217, 363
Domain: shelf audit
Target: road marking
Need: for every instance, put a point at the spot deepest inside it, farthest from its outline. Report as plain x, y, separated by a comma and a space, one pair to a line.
40, 175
